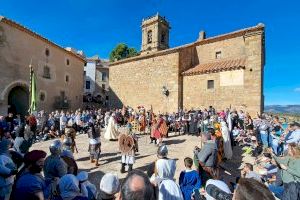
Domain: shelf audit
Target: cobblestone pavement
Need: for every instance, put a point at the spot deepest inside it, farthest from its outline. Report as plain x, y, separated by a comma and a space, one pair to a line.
179, 146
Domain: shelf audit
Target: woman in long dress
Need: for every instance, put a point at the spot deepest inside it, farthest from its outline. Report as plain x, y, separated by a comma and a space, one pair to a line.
111, 132
226, 141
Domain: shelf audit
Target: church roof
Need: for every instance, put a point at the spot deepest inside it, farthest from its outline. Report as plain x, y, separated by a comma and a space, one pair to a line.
38, 36
212, 67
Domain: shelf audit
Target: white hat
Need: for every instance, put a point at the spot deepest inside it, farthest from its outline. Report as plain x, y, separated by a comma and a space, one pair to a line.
109, 184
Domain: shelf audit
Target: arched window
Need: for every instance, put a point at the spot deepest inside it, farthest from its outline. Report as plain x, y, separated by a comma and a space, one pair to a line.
149, 37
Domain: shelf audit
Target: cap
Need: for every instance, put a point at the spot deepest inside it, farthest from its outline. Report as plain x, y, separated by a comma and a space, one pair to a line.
109, 185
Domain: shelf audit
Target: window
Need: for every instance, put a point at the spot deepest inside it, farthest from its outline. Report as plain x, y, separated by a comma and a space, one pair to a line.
87, 85
103, 76
149, 37
67, 78
163, 38
210, 84
68, 62
46, 72
47, 52
42, 96
218, 54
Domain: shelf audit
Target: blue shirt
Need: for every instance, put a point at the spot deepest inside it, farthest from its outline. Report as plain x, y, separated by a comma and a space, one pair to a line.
29, 184
189, 181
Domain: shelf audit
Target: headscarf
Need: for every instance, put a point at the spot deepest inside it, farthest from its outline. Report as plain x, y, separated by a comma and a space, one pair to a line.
69, 187
4, 146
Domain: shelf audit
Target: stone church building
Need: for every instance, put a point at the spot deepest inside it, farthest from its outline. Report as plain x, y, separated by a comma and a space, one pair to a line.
59, 71
224, 71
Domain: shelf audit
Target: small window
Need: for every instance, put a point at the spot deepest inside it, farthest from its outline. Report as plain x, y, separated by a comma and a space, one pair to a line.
68, 62
87, 85
47, 52
42, 96
46, 72
218, 54
67, 78
104, 76
210, 84
149, 37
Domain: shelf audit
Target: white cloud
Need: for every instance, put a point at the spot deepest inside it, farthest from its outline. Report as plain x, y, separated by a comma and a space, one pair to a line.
297, 89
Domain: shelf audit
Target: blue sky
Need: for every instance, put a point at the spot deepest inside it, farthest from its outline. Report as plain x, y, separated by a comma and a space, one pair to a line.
96, 26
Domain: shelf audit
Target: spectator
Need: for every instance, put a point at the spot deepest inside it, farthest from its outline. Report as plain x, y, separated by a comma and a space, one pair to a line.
69, 188
189, 180
7, 170
136, 186
248, 172
217, 190
109, 187
250, 189
31, 184
86, 187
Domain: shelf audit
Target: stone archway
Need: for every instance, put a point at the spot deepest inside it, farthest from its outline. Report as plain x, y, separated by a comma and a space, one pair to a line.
18, 100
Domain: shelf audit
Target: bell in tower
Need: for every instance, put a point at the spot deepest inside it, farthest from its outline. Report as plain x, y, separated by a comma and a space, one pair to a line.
155, 34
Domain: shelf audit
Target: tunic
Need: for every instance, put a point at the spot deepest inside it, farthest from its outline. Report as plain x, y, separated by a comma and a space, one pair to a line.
111, 132
189, 180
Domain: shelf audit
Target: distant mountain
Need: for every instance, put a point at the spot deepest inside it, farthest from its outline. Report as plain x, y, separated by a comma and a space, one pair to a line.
291, 109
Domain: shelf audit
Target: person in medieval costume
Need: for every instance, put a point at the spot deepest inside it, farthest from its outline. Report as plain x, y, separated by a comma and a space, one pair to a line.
106, 119
128, 145
226, 141
159, 129
193, 124
111, 132
142, 121
54, 169
68, 138
94, 143
163, 171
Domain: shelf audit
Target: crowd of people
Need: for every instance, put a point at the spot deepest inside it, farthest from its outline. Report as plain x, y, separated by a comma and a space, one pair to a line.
32, 174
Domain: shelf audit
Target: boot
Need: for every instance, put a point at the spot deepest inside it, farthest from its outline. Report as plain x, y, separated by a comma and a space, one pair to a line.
123, 168
97, 163
130, 167
92, 160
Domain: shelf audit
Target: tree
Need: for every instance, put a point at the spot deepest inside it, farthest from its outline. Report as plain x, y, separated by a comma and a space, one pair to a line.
122, 51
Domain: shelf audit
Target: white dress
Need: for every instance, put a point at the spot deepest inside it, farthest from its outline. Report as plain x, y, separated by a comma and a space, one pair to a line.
227, 142
111, 132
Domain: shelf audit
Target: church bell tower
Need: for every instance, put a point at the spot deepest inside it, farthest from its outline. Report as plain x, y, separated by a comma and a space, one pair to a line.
155, 34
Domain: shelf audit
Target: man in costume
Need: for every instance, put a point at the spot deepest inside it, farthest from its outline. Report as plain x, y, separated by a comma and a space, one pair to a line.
111, 132
69, 138
94, 144
142, 120
128, 144
54, 169
160, 129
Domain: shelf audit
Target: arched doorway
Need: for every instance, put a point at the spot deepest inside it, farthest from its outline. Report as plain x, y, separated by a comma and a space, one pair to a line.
18, 101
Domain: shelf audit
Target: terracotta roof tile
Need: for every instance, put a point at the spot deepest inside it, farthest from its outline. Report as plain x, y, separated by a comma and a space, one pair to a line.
212, 67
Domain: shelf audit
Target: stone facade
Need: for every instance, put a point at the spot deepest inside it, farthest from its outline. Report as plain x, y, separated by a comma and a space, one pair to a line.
59, 73
186, 70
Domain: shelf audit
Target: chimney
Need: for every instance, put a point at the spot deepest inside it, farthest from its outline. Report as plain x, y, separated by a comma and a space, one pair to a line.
201, 35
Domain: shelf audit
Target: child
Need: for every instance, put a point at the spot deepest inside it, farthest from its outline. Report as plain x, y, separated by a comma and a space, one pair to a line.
189, 180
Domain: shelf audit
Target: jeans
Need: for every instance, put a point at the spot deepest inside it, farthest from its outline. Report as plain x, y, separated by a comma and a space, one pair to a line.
264, 136
277, 190
275, 145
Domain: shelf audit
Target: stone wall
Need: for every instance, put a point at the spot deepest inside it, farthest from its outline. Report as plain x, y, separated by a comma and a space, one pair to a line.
140, 82
19, 48
246, 96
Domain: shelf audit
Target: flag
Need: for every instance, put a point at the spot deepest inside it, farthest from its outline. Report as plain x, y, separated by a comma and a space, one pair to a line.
33, 92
